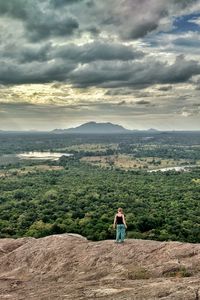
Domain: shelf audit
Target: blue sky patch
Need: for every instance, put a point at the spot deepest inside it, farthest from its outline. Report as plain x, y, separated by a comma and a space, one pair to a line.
184, 23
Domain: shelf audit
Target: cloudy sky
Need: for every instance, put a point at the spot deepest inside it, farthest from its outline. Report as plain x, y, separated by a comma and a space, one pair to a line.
131, 62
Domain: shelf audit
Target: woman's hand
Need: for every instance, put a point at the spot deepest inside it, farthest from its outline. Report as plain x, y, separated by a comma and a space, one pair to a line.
113, 226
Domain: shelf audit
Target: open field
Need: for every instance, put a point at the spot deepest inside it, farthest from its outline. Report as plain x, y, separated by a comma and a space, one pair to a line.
90, 147
29, 170
129, 162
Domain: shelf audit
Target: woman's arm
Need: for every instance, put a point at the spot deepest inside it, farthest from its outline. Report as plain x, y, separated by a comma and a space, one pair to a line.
124, 221
115, 218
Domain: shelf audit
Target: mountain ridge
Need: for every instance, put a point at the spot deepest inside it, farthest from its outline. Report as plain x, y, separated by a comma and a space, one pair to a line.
101, 128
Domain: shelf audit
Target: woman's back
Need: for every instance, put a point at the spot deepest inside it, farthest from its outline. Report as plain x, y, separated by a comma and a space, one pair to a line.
119, 219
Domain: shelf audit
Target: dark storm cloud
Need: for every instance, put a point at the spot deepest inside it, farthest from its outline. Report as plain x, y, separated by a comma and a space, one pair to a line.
41, 54
142, 30
41, 28
60, 18
79, 54
39, 19
29, 54
124, 74
17, 9
94, 30
97, 51
95, 74
34, 72
143, 102
134, 74
46, 63
25, 53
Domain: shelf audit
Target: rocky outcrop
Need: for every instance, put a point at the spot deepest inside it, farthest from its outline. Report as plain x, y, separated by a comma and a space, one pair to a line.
70, 267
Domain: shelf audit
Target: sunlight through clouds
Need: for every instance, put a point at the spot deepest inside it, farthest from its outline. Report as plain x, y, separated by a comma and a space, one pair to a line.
70, 61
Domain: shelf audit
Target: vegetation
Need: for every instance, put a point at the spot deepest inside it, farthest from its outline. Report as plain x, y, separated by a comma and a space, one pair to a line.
70, 195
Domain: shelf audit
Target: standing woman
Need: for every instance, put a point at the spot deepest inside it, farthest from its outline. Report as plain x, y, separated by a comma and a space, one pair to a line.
120, 221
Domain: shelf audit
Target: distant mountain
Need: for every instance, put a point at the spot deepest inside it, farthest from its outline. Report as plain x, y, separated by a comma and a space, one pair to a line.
152, 130
93, 127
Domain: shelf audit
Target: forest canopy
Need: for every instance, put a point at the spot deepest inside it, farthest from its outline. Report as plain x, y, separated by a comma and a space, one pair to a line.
70, 195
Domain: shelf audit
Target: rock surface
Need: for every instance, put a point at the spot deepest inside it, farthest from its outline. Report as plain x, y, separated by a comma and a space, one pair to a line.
70, 267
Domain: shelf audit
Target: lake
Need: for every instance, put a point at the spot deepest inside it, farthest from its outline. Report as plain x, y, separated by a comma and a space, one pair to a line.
179, 168
42, 155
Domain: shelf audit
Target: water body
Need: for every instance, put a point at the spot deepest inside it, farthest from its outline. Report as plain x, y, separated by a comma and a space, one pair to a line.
42, 155
179, 168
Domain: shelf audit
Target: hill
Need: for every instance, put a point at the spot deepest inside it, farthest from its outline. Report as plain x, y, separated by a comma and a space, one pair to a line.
70, 267
94, 128
152, 130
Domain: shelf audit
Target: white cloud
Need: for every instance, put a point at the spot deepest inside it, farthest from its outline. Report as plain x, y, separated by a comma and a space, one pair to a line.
195, 21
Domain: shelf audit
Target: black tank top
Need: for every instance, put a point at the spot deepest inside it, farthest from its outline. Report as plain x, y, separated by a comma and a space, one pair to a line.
119, 220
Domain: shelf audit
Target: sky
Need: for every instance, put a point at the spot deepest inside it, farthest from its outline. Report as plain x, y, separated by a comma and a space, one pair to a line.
130, 62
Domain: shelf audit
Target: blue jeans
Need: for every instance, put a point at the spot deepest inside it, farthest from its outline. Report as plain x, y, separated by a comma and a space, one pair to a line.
120, 235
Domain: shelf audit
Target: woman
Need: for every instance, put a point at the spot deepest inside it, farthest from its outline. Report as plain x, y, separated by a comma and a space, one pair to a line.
119, 220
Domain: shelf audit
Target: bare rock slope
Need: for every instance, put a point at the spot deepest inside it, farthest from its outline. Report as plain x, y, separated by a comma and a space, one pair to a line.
70, 267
